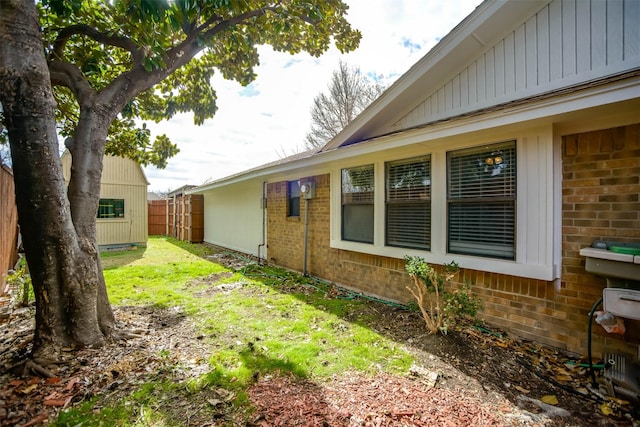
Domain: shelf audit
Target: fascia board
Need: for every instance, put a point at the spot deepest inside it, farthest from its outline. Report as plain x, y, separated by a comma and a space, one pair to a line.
563, 105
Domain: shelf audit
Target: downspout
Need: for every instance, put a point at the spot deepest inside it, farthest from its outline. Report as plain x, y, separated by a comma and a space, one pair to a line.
306, 237
264, 215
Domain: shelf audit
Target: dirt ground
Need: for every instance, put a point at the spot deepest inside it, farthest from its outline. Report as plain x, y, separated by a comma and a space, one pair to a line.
472, 377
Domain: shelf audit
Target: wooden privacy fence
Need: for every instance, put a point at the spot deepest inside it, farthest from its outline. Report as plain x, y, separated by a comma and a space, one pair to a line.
180, 216
157, 217
8, 225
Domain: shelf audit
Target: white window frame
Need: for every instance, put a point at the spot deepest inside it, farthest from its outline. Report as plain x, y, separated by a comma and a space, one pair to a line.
488, 163
343, 204
537, 156
410, 199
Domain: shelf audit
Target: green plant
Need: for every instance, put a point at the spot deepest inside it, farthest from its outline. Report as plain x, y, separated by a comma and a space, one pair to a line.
441, 303
20, 280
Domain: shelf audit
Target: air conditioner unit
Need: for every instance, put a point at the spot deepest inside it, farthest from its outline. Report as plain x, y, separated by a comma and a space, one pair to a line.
307, 189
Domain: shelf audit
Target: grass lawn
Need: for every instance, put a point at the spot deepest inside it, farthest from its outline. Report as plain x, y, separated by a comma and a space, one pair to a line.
270, 322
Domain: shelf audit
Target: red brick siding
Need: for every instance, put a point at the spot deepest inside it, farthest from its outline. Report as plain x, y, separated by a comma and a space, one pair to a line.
600, 200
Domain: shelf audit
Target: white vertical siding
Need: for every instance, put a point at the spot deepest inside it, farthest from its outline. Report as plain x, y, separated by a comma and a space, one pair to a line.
535, 214
233, 216
565, 43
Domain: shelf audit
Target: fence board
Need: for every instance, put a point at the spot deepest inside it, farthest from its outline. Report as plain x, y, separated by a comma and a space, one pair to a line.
8, 225
157, 217
180, 216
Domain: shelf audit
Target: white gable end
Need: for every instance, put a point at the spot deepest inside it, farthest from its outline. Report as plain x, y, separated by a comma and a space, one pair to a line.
565, 43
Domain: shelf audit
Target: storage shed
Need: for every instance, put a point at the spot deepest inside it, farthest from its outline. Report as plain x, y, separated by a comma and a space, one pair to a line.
122, 212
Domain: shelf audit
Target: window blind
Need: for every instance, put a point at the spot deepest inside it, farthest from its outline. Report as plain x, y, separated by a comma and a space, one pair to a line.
293, 190
357, 204
482, 201
408, 203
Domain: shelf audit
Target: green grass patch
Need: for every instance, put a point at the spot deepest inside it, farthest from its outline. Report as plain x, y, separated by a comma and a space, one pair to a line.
277, 322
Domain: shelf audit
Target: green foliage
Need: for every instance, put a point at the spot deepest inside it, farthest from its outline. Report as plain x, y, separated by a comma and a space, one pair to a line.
442, 304
175, 46
20, 280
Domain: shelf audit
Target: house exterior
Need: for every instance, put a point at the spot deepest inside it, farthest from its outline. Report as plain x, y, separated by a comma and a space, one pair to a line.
122, 212
512, 145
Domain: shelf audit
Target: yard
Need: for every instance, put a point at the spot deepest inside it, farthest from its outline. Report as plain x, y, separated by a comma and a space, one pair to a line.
215, 339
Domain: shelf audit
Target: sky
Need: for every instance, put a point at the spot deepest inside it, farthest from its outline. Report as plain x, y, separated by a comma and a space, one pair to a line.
270, 118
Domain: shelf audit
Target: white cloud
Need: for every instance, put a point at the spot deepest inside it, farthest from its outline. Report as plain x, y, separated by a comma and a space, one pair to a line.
255, 124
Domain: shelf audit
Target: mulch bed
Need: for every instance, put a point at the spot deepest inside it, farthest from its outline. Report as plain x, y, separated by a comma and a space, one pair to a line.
354, 399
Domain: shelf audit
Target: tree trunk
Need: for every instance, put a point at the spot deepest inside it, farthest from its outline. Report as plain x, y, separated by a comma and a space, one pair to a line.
72, 308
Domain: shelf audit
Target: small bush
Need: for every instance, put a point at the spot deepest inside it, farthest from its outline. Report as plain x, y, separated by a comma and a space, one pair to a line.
20, 281
441, 304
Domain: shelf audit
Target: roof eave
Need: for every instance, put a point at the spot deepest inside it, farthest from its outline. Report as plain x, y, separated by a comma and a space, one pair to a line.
471, 35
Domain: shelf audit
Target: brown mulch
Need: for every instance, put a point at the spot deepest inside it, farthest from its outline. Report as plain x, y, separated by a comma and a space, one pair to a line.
354, 399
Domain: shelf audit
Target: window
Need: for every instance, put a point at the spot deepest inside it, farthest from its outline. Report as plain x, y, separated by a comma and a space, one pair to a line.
111, 208
481, 199
408, 203
293, 195
357, 204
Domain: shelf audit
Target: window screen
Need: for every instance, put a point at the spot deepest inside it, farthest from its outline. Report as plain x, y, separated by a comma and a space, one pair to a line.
408, 203
111, 208
482, 201
293, 194
357, 204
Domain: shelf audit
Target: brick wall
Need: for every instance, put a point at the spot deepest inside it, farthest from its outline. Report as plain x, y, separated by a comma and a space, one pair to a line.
601, 188
600, 200
285, 235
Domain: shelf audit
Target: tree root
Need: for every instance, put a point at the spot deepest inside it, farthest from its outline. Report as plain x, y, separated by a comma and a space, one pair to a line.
35, 366
126, 335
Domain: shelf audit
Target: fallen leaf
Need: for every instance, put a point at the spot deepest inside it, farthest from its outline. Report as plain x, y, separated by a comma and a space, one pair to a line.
522, 389
37, 420
431, 379
214, 402
620, 402
563, 371
606, 409
29, 389
563, 378
550, 399
16, 383
72, 382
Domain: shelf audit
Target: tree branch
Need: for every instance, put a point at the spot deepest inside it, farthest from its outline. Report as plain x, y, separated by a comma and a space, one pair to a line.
66, 74
237, 20
82, 29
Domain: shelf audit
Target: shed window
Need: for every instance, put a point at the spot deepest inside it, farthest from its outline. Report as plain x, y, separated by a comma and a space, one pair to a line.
293, 196
357, 204
111, 208
408, 203
481, 201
